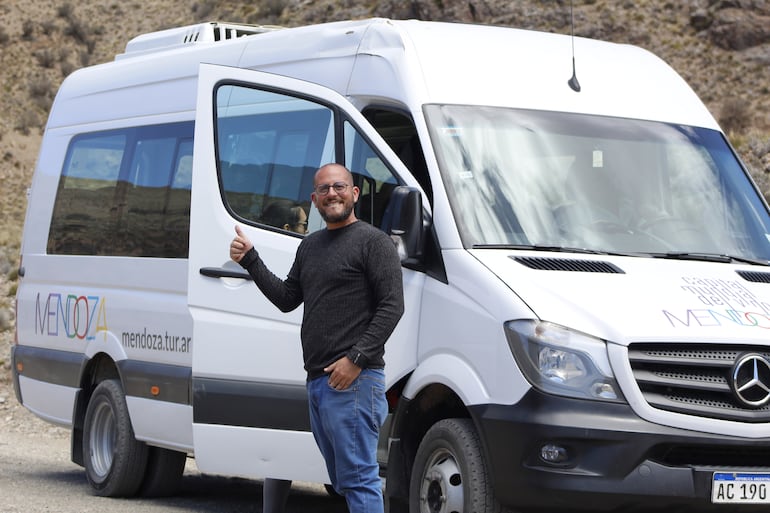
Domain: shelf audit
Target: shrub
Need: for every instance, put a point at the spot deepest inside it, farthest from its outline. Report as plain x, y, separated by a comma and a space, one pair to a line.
26, 121
5, 319
735, 115
40, 87
28, 30
45, 58
65, 11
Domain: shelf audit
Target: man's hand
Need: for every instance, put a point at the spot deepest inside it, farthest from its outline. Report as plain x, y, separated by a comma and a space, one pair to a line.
240, 245
342, 373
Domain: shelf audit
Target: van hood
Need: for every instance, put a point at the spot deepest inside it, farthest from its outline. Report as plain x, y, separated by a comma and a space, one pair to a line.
634, 299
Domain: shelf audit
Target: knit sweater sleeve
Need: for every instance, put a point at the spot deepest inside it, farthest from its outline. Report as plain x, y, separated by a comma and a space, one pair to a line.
383, 273
286, 294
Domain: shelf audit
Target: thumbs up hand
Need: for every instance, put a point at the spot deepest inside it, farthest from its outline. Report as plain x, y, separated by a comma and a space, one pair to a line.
240, 245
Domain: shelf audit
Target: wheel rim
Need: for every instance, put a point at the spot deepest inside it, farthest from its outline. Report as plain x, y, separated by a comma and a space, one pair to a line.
102, 442
442, 484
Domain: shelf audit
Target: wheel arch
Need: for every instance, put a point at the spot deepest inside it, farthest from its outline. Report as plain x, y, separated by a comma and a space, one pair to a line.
412, 419
99, 367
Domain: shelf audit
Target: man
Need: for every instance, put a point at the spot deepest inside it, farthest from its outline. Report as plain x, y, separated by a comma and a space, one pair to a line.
349, 278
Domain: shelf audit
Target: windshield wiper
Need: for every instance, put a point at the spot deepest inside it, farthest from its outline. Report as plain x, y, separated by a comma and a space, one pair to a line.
558, 249
710, 257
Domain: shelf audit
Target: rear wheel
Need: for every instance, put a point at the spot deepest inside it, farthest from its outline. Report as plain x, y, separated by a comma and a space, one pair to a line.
449, 474
115, 461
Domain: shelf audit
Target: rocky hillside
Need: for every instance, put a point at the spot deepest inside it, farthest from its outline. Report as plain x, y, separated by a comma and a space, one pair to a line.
721, 47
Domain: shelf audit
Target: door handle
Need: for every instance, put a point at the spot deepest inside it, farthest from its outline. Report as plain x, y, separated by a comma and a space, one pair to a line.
219, 272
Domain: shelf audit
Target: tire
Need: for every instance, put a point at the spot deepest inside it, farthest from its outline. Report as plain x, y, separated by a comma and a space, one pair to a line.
449, 474
115, 461
164, 472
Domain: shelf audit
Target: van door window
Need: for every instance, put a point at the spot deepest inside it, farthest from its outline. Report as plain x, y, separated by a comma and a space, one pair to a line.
269, 147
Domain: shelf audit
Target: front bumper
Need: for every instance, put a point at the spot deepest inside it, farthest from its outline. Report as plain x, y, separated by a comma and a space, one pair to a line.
615, 460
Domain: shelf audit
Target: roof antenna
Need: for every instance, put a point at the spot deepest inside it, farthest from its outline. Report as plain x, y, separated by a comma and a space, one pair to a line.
573, 82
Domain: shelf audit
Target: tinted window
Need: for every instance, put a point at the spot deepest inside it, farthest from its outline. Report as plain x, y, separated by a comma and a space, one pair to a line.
125, 193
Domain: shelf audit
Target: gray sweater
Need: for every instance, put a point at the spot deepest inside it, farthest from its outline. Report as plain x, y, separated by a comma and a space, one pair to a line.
350, 282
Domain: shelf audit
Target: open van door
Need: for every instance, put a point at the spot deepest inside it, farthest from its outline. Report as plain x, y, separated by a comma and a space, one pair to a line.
259, 138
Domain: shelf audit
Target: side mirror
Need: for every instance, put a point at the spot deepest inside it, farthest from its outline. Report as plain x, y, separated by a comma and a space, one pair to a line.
403, 222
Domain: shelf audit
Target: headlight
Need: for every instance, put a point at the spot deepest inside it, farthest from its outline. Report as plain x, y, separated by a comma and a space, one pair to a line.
560, 361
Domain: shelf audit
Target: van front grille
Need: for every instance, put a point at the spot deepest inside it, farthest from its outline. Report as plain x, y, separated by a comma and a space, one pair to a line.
699, 380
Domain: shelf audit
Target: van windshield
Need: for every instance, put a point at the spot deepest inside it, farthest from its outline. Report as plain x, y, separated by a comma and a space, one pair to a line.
548, 179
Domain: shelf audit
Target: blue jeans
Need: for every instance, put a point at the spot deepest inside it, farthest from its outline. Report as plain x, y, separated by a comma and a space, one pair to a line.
346, 426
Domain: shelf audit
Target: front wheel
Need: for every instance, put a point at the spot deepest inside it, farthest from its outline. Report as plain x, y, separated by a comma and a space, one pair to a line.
115, 461
449, 474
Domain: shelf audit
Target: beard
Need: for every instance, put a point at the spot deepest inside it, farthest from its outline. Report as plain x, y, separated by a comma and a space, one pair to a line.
330, 216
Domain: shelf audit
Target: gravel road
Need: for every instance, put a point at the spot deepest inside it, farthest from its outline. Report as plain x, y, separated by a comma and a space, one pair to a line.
37, 476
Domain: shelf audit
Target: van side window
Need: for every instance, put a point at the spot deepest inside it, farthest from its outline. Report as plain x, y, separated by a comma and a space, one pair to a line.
399, 132
176, 217
371, 175
125, 193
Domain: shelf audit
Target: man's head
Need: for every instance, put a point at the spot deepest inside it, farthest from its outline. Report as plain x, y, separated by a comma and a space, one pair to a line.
334, 195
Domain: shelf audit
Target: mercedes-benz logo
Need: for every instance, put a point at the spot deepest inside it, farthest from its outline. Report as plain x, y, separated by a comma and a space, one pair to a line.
751, 380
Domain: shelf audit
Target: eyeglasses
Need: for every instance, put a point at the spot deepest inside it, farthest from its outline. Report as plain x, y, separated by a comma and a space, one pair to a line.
339, 188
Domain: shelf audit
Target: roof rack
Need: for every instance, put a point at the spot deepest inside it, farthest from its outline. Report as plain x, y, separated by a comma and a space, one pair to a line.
209, 32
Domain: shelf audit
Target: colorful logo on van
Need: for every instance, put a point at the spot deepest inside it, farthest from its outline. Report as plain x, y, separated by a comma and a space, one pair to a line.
76, 317
720, 303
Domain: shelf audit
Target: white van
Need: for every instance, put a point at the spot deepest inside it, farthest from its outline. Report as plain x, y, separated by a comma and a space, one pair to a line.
585, 266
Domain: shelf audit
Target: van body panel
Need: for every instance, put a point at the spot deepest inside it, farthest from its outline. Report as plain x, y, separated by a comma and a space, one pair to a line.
95, 306
673, 300
322, 55
455, 61
462, 328
451, 371
109, 91
77, 314
49, 401
174, 432
44, 183
258, 452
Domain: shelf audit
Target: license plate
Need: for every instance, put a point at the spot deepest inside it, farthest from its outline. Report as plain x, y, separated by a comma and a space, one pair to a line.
740, 488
